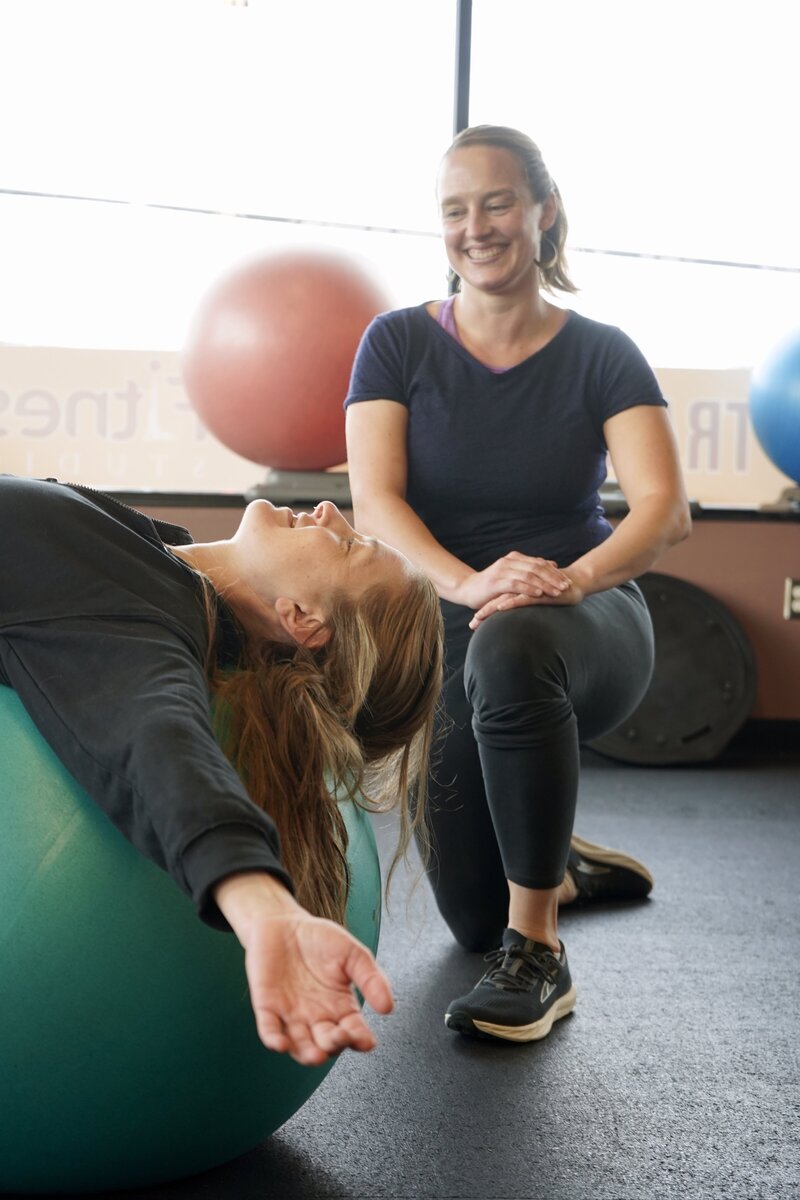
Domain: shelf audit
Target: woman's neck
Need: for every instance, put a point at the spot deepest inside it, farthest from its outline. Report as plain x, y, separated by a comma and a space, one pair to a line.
217, 561
210, 558
505, 330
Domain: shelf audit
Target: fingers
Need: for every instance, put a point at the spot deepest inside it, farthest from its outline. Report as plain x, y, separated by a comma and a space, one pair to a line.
524, 574
351, 1033
295, 1039
513, 574
313, 1043
270, 1030
504, 604
567, 598
303, 1047
518, 556
338, 960
539, 573
302, 974
332, 1037
499, 604
370, 980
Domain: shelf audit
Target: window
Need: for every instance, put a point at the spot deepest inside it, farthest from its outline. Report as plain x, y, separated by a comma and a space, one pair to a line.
671, 132
322, 122
149, 145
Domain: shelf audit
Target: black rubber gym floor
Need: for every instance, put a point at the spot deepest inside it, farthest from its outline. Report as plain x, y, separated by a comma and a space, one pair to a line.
677, 1074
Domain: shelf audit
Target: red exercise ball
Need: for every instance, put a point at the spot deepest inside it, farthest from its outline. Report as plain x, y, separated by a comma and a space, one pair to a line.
268, 357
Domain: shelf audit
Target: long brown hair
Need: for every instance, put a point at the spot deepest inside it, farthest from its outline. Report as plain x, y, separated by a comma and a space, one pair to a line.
354, 717
553, 270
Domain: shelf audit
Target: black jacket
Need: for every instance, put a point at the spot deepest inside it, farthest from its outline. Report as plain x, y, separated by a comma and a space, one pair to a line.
103, 636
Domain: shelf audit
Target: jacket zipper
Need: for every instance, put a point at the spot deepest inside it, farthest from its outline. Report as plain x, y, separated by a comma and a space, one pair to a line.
159, 524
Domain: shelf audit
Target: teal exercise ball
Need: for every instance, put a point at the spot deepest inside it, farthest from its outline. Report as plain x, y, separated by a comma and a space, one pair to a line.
775, 405
128, 1048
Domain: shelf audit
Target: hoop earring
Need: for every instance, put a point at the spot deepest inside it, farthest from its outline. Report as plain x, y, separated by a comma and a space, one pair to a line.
547, 266
453, 282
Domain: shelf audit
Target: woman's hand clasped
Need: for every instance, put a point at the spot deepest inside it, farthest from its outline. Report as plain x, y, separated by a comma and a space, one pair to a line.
517, 581
301, 972
513, 581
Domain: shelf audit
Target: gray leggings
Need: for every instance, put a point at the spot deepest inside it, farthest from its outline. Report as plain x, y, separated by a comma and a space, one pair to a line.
520, 694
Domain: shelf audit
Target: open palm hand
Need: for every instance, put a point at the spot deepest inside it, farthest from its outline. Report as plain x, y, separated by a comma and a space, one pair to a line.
302, 971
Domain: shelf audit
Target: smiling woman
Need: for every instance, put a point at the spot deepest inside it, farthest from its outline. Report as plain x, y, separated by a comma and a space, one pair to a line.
485, 193
548, 637
325, 649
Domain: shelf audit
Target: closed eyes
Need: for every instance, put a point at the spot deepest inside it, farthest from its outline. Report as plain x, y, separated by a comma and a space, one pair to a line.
370, 544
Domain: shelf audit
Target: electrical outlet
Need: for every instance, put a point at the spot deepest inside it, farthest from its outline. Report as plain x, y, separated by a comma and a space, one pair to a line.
791, 599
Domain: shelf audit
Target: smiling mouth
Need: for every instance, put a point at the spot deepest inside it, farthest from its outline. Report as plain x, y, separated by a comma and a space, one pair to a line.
484, 254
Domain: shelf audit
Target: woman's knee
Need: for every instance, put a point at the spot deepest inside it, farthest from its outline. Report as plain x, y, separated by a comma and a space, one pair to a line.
476, 926
478, 936
515, 656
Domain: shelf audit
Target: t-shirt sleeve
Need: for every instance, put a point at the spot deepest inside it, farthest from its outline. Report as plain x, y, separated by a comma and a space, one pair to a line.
378, 367
623, 379
138, 737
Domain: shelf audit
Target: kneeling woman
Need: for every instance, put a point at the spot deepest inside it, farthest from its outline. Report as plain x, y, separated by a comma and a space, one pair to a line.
324, 649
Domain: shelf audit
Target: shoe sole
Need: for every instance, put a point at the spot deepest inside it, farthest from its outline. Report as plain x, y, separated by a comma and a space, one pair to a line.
612, 858
461, 1023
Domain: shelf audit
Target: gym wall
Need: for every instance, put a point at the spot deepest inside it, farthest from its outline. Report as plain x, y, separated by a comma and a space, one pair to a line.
121, 419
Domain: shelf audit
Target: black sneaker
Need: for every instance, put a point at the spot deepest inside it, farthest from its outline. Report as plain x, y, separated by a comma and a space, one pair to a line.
526, 989
603, 874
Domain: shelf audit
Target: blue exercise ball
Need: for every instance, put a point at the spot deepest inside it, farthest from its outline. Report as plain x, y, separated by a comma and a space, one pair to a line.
128, 1047
775, 405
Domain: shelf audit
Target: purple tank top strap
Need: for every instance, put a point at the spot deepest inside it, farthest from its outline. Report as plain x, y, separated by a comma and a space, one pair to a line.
445, 316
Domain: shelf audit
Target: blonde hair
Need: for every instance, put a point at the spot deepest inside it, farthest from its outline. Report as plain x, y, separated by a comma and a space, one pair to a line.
355, 717
553, 270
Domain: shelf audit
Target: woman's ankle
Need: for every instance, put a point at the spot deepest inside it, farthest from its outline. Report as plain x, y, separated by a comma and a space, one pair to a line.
543, 937
568, 891
533, 912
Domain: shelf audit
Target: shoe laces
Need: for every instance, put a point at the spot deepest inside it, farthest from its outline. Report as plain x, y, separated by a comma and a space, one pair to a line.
515, 969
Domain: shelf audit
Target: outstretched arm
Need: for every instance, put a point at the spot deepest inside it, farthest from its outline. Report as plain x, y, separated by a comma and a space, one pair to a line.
139, 739
301, 971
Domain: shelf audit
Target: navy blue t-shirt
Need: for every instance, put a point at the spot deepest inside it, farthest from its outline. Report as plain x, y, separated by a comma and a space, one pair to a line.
509, 461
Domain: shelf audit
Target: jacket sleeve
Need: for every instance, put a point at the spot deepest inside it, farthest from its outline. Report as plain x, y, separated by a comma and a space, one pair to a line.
126, 707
